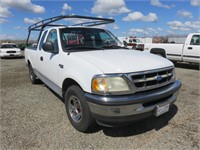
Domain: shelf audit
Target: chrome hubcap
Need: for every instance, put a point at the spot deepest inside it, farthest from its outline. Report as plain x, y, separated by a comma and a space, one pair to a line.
75, 109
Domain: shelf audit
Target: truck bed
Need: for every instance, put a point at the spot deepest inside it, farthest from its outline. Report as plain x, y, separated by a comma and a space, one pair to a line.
173, 51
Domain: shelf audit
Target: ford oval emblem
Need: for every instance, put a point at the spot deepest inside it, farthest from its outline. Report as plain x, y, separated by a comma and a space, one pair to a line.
158, 78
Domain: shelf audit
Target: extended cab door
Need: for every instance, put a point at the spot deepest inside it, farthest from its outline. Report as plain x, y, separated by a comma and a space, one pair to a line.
191, 51
48, 61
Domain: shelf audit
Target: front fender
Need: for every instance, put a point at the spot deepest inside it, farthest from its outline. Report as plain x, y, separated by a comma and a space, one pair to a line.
79, 70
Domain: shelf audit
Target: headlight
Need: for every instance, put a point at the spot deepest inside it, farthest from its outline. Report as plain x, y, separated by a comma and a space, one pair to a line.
105, 85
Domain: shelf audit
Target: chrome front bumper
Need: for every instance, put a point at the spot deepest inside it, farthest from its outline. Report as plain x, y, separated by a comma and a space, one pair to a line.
130, 105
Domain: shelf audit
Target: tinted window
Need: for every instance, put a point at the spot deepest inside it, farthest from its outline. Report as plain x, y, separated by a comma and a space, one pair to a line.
42, 40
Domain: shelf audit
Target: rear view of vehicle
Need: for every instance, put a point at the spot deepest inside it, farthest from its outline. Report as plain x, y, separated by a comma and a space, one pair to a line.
9, 50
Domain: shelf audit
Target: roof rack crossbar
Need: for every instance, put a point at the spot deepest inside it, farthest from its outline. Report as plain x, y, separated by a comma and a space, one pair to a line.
36, 29
92, 23
46, 22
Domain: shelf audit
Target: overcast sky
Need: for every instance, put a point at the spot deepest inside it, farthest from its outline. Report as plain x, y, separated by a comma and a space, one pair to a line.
133, 17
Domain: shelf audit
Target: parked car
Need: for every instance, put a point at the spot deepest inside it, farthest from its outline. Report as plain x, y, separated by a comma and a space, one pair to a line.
187, 52
9, 50
100, 80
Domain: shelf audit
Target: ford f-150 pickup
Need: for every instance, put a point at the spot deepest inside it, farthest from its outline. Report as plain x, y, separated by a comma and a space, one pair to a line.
99, 79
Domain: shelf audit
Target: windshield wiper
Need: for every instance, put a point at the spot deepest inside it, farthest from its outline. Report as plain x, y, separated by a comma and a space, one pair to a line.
82, 48
114, 47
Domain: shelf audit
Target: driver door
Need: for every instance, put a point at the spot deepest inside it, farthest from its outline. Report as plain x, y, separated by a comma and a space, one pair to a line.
191, 51
49, 62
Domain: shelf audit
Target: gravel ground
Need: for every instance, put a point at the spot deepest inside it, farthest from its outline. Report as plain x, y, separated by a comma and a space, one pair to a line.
32, 117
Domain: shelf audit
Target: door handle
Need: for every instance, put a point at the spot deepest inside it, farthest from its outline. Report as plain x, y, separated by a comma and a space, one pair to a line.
41, 58
189, 47
61, 66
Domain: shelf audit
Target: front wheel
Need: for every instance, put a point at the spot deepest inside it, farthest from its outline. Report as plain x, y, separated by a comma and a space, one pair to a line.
77, 109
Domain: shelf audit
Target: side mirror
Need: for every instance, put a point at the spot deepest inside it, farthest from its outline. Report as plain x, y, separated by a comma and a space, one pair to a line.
49, 47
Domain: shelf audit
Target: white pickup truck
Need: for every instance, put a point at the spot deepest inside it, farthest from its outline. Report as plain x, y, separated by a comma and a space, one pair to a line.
99, 80
9, 50
187, 52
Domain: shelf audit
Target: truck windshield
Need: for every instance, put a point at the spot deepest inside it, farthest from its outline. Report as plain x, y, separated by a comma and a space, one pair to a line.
8, 46
88, 39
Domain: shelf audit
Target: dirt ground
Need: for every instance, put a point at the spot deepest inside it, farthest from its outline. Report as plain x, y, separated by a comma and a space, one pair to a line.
32, 117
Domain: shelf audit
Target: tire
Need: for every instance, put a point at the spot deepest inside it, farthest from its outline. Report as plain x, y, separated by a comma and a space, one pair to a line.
32, 76
134, 47
78, 110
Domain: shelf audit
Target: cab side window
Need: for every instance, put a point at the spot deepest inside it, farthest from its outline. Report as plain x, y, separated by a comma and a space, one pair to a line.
107, 39
195, 40
42, 40
52, 37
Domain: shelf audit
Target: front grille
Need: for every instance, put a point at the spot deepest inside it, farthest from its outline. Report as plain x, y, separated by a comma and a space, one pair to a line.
152, 79
11, 51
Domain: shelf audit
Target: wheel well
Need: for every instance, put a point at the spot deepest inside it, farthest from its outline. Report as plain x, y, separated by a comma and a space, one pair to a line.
67, 83
158, 51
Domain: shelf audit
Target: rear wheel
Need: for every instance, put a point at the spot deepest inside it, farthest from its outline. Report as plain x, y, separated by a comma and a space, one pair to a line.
78, 110
32, 75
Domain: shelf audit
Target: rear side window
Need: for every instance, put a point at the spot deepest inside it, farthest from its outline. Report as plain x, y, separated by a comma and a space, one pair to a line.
42, 40
195, 40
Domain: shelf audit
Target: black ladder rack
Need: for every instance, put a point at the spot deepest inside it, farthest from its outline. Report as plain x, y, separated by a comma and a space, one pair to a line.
39, 26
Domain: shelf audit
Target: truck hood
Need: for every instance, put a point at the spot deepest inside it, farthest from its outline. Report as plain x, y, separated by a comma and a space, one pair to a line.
123, 61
